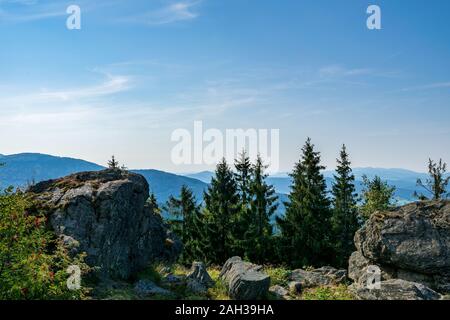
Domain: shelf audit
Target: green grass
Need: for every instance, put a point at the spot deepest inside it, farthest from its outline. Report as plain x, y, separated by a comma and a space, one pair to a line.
340, 292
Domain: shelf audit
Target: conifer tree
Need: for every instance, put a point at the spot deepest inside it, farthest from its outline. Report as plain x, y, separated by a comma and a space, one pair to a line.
345, 215
243, 177
377, 195
305, 229
113, 163
258, 238
154, 203
187, 224
437, 182
221, 208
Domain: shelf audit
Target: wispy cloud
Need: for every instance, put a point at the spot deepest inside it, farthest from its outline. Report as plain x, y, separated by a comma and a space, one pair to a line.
112, 84
334, 71
174, 12
437, 85
22, 11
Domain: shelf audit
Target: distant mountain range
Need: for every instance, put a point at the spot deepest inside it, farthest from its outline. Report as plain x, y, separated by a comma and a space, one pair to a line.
23, 169
404, 180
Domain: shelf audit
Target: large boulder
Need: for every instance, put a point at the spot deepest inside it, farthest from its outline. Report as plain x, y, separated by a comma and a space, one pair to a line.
411, 243
245, 280
415, 237
106, 214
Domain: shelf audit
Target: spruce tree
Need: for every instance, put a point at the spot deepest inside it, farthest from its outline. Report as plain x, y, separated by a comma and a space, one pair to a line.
305, 229
113, 164
243, 177
187, 224
345, 215
221, 208
154, 203
258, 238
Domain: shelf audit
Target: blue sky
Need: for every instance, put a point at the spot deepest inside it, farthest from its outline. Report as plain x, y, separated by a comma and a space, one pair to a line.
137, 70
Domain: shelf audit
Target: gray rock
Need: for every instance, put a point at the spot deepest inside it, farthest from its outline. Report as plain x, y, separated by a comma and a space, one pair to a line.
358, 269
199, 273
395, 289
279, 292
410, 243
174, 280
106, 214
245, 280
148, 288
414, 237
318, 277
199, 280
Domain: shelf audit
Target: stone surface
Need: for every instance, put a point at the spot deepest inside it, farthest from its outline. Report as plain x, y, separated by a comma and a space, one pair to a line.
414, 237
245, 280
198, 279
358, 269
148, 288
295, 287
395, 289
279, 292
174, 280
410, 243
106, 214
318, 277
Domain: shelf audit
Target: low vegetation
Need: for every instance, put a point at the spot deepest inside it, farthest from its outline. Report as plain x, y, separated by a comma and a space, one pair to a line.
33, 264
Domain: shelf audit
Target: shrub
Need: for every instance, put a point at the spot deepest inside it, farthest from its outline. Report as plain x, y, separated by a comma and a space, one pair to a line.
278, 276
33, 263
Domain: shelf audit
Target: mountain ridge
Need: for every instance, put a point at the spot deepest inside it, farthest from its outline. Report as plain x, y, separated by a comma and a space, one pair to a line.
25, 168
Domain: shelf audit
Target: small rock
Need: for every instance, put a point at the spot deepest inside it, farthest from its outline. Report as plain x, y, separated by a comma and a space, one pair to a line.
245, 280
199, 273
295, 287
174, 280
279, 292
199, 280
148, 288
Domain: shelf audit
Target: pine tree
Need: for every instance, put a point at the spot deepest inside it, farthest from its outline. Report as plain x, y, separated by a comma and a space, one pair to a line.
242, 177
187, 224
305, 229
154, 203
113, 163
221, 208
258, 238
437, 184
345, 215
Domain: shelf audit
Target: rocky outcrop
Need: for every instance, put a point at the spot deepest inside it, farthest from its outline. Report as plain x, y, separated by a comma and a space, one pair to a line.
106, 214
245, 280
324, 276
410, 243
